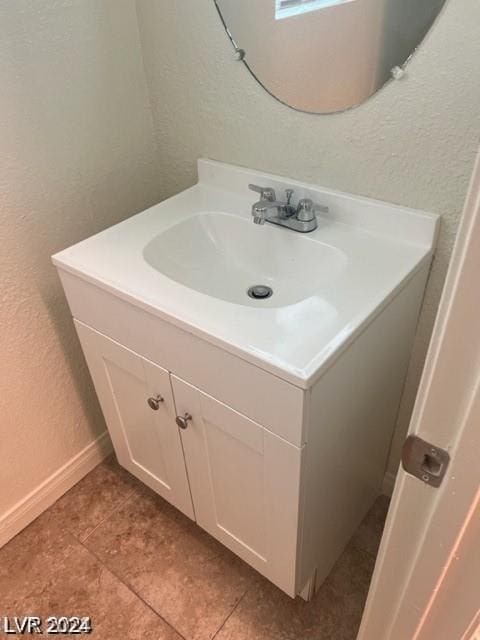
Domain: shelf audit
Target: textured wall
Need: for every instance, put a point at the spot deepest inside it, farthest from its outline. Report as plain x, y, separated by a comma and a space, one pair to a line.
76, 155
414, 143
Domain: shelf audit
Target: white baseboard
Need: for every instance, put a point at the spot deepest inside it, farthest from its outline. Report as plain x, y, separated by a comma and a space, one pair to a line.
51, 489
43, 496
388, 483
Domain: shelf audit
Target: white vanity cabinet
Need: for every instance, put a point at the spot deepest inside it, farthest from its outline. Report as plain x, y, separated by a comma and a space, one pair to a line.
268, 421
280, 475
244, 481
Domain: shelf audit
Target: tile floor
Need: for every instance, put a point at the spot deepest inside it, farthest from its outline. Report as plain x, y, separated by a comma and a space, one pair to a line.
113, 550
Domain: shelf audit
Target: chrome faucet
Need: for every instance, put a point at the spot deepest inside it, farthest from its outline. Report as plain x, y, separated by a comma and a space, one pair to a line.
301, 218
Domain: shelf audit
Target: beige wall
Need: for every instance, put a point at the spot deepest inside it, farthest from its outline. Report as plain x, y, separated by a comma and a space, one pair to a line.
76, 155
414, 143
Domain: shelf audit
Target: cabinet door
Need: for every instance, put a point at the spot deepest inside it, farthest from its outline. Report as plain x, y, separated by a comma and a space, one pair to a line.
146, 441
245, 484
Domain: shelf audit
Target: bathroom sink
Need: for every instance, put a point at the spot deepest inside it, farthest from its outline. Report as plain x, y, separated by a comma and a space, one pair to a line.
223, 256
191, 260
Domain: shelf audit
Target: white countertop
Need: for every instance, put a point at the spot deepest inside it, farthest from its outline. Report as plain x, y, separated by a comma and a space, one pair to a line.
384, 245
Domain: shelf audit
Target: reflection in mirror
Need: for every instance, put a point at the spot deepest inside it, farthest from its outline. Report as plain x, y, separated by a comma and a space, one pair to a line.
323, 56
289, 8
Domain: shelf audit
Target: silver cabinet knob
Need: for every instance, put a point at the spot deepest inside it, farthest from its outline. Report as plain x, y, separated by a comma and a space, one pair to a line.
154, 403
182, 421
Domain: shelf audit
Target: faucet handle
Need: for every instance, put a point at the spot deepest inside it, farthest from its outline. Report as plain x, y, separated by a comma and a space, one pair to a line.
266, 193
307, 209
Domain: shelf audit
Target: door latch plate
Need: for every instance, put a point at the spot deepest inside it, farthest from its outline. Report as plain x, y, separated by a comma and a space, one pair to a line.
425, 461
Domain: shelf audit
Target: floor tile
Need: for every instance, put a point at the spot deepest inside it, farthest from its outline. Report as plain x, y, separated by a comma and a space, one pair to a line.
26, 561
192, 581
368, 535
132, 538
78, 585
94, 498
266, 613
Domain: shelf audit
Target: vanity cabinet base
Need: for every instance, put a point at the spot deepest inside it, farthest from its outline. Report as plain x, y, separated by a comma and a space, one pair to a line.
285, 493
239, 481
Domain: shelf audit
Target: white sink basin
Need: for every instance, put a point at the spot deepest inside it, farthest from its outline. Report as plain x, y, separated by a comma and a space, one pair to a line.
222, 255
191, 259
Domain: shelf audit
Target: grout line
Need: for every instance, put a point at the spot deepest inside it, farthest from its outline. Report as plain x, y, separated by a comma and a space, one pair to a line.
132, 590
230, 614
107, 517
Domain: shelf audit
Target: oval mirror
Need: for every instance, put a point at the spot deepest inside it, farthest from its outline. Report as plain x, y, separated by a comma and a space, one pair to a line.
323, 56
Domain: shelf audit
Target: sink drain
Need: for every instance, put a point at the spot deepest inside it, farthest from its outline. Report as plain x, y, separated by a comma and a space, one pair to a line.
260, 292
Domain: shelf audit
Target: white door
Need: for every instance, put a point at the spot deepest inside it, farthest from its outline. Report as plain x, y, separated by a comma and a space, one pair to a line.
426, 580
145, 438
245, 483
